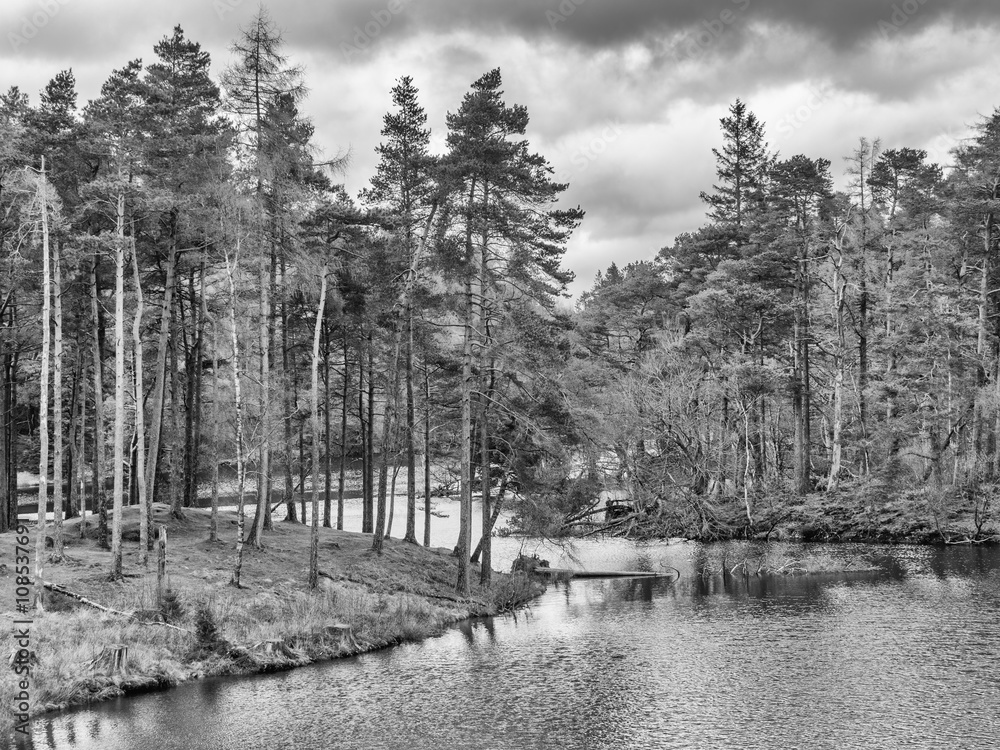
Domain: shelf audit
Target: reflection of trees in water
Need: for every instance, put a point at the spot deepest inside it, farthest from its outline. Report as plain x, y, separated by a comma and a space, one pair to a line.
963, 560
482, 625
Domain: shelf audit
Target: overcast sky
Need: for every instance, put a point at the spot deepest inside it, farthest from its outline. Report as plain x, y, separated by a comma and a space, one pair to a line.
625, 96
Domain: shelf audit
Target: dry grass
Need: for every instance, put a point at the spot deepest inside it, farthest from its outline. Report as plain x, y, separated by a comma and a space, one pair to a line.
273, 622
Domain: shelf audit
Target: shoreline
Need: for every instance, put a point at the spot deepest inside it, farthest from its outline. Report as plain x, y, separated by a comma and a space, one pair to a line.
364, 602
862, 514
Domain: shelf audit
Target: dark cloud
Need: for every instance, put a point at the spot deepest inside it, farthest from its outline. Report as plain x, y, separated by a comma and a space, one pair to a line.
603, 24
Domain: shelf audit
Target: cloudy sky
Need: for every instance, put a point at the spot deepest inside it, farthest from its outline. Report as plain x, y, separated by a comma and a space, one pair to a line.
624, 95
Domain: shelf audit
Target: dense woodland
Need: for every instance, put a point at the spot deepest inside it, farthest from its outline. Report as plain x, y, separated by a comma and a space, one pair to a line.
187, 291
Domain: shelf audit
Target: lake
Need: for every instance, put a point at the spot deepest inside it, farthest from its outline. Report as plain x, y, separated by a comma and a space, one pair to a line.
904, 656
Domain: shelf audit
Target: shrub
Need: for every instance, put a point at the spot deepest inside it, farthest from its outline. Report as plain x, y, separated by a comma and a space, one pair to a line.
208, 638
171, 608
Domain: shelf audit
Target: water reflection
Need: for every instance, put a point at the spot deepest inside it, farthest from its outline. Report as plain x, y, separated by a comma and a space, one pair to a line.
899, 657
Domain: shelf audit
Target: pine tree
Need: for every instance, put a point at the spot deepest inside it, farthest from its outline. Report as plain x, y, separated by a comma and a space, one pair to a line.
512, 241
403, 186
742, 169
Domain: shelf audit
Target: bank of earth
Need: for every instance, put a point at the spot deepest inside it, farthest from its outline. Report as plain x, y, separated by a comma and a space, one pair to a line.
206, 627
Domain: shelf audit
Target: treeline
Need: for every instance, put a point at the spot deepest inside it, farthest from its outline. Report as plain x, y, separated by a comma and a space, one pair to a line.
184, 287
185, 290
807, 339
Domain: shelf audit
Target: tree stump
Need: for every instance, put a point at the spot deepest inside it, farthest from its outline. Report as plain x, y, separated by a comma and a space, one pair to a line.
337, 631
161, 565
113, 660
275, 648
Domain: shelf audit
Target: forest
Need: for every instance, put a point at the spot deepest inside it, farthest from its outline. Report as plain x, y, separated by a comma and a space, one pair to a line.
191, 301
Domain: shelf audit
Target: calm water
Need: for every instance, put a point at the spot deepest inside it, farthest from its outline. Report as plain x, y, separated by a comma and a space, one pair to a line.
906, 657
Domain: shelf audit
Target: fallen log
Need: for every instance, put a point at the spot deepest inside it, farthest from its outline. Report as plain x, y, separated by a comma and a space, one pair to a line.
56, 588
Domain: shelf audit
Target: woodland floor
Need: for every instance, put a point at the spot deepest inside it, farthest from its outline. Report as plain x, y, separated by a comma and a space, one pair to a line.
273, 622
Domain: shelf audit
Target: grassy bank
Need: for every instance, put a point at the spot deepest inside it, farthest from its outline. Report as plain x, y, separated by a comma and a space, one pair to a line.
364, 602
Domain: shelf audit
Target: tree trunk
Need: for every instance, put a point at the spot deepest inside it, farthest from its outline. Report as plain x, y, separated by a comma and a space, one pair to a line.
80, 461
145, 506
240, 461
213, 527
464, 546
288, 494
314, 533
195, 379
493, 517
367, 522
327, 457
100, 494
264, 467
839, 302
160, 383
370, 435
343, 441
427, 455
119, 429
386, 443
176, 449
43, 396
57, 406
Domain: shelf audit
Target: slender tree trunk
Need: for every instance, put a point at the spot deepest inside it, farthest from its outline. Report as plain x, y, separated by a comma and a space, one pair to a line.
302, 468
81, 455
237, 397
57, 406
264, 478
213, 527
176, 449
314, 534
11, 405
195, 380
343, 441
370, 435
160, 382
839, 373
801, 401
43, 397
410, 434
327, 457
493, 518
465, 514
288, 495
8, 506
367, 522
427, 455
100, 493
388, 420
119, 429
72, 459
411, 427
392, 499
486, 393
145, 506
464, 546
